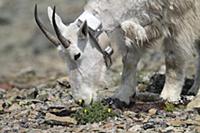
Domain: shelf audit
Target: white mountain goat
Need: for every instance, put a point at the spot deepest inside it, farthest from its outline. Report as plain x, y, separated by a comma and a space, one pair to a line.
134, 26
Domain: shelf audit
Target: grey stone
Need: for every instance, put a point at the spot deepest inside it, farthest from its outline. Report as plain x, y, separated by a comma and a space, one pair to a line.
195, 103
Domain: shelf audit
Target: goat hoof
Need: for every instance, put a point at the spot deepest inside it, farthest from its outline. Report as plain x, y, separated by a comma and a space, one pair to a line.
116, 103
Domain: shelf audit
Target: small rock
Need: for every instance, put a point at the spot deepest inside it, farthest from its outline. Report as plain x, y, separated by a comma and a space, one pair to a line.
64, 81
169, 129
59, 111
108, 126
195, 122
24, 123
195, 103
21, 114
162, 124
1, 106
197, 129
148, 125
129, 114
95, 128
13, 107
118, 130
146, 119
152, 112
134, 129
57, 119
13, 93
176, 122
79, 129
2, 93
32, 93
120, 126
198, 118
43, 96
24, 102
33, 114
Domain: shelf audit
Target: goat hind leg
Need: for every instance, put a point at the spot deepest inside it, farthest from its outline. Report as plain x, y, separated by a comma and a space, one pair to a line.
195, 87
175, 71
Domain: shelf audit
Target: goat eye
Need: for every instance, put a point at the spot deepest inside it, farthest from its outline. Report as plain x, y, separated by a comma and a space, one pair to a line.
77, 56
69, 42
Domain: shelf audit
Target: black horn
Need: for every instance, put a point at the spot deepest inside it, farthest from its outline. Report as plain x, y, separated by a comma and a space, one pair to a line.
63, 40
52, 38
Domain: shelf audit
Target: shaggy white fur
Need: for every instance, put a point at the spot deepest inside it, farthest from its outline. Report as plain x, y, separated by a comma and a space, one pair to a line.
134, 25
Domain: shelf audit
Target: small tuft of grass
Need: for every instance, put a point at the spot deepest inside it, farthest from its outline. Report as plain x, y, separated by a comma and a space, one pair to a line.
169, 107
95, 113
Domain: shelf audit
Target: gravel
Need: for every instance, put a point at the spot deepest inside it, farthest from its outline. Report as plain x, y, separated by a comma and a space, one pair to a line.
30, 110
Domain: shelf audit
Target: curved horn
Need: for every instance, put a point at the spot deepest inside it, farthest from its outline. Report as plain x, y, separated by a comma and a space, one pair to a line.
44, 30
63, 40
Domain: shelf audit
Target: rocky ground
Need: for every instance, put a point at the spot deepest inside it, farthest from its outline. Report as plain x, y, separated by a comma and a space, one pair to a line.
31, 103
36, 97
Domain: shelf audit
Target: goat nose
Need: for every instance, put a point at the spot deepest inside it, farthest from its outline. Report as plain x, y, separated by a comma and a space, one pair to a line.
77, 56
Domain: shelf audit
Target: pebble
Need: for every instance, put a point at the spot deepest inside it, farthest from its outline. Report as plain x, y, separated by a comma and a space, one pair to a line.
169, 129
43, 96
195, 103
135, 128
152, 111
148, 126
32, 94
2, 93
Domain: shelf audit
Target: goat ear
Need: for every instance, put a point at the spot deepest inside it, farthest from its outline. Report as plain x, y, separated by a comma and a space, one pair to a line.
59, 22
83, 31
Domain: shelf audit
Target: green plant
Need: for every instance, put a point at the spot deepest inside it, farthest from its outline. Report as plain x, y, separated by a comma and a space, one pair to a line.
169, 107
95, 113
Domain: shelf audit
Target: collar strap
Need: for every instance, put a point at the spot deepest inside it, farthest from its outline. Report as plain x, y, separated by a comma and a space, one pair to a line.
93, 23
106, 53
95, 30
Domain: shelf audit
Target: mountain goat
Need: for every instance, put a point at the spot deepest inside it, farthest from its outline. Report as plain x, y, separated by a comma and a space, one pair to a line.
134, 26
